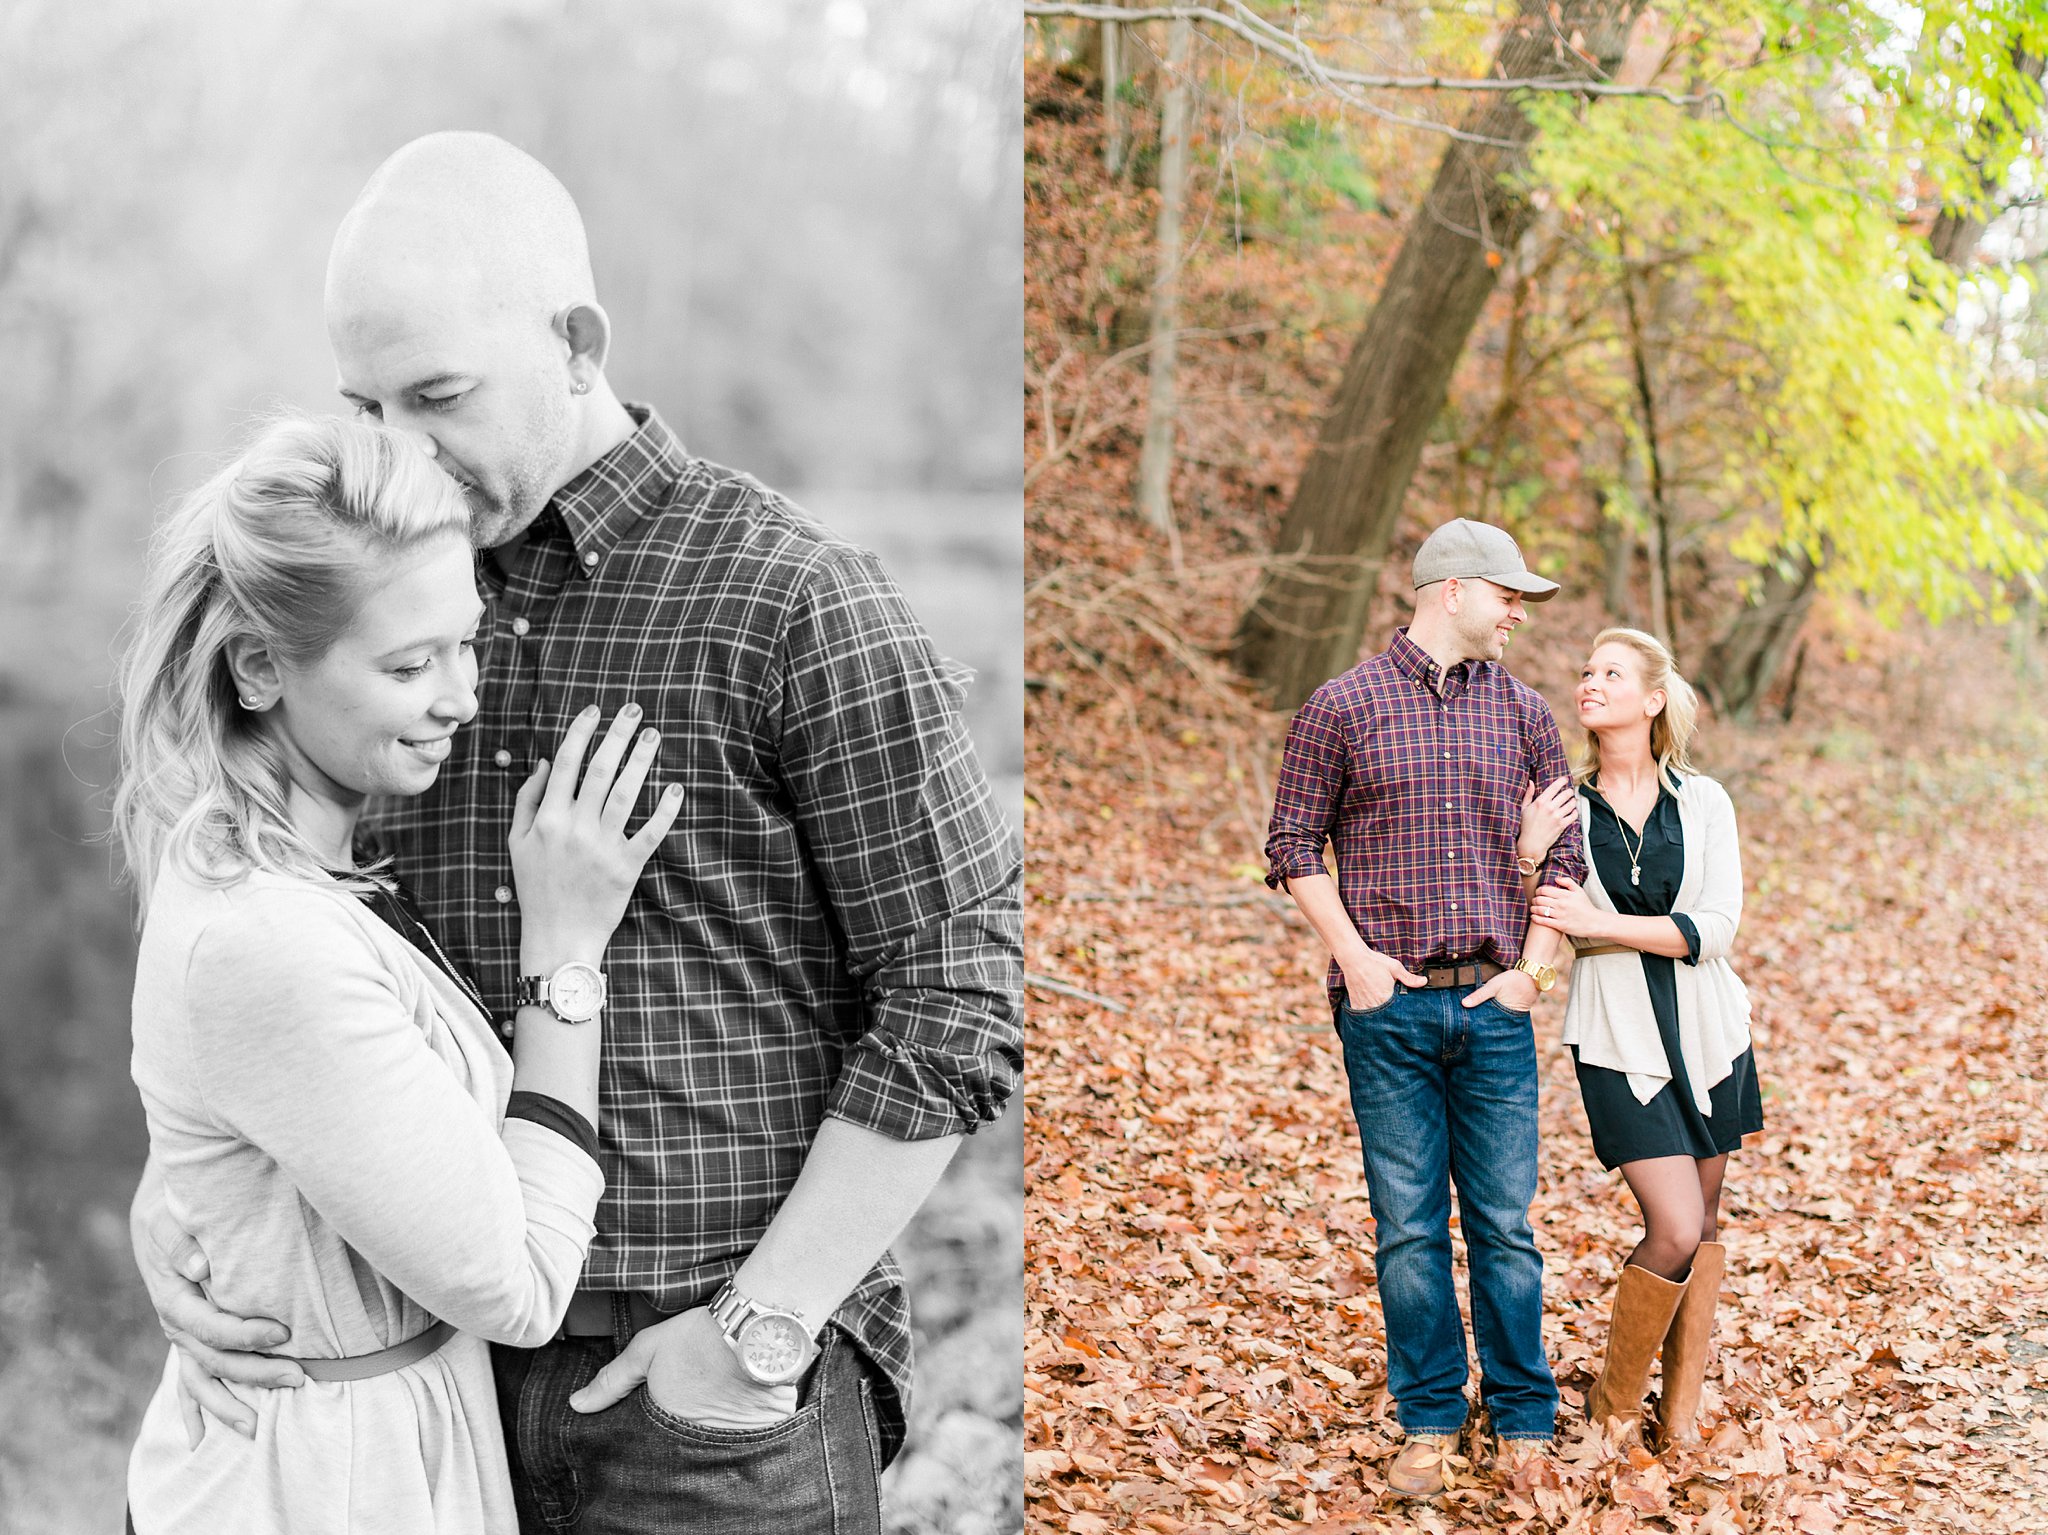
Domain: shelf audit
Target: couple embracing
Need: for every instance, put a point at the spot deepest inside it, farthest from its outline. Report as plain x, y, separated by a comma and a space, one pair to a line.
576, 933
1467, 856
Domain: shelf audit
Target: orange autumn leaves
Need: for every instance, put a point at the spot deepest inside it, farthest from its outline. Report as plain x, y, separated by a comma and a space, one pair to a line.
1204, 1344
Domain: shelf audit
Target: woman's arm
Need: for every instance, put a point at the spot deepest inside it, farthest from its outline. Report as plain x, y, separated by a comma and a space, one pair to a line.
1544, 818
1716, 909
1566, 908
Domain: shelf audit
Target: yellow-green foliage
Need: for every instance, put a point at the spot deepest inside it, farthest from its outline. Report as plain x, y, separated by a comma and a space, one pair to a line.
1853, 418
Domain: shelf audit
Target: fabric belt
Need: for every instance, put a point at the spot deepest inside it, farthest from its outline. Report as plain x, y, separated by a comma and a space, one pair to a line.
1469, 972
1581, 950
383, 1362
591, 1313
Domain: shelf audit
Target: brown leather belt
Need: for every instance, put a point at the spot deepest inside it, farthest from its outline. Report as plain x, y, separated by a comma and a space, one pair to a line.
591, 1313
1580, 951
1467, 973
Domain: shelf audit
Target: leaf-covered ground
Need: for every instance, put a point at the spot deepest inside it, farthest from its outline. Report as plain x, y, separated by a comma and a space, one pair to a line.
1204, 1346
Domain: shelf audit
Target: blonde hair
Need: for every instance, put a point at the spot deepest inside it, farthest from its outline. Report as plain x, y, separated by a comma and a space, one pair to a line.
276, 547
1671, 730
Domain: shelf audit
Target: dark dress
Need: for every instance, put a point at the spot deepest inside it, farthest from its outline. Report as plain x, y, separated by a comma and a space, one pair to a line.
1670, 1124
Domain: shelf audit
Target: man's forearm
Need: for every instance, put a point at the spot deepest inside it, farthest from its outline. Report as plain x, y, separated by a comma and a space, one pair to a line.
1316, 895
857, 1191
1541, 944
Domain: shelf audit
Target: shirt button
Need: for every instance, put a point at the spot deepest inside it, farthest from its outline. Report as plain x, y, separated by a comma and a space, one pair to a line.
590, 560
1447, 756
502, 895
520, 625
502, 757
1450, 855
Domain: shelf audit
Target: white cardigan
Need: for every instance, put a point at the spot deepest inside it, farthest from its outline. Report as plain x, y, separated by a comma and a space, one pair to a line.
1608, 1014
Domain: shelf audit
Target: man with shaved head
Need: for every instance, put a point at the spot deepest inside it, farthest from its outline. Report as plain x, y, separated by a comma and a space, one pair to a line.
815, 991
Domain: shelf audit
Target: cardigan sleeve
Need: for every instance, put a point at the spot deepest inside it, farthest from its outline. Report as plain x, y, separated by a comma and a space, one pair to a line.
305, 1048
1716, 910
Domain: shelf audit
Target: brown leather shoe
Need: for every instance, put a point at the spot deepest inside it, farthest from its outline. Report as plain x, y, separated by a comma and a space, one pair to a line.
1643, 1307
1685, 1348
1421, 1470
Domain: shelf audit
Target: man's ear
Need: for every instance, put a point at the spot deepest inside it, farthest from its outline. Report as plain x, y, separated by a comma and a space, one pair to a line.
1453, 594
587, 331
254, 669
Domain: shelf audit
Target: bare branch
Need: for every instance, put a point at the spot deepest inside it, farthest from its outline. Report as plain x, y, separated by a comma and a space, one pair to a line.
1289, 49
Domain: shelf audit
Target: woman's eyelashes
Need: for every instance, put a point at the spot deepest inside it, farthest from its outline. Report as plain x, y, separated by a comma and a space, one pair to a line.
420, 669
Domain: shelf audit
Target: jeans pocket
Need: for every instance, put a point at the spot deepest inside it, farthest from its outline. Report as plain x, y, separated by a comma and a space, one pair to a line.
1346, 1010
709, 1434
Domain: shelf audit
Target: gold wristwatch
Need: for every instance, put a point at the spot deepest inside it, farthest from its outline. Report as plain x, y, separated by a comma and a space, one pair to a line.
1545, 976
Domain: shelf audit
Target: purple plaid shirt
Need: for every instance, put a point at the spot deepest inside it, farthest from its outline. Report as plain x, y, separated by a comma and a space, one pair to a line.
1416, 774
832, 926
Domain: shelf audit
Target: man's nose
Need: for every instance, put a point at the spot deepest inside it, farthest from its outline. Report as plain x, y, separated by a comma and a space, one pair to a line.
426, 441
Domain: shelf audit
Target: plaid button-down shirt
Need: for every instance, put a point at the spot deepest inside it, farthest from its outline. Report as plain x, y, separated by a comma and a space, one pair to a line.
833, 926
1416, 774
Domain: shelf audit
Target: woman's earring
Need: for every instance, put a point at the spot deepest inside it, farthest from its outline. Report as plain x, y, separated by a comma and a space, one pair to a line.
252, 703
580, 387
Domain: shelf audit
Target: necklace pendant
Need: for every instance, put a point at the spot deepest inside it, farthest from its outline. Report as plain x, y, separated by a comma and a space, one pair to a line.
1635, 874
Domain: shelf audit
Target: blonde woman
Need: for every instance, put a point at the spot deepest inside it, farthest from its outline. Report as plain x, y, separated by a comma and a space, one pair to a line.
1657, 1020
330, 1112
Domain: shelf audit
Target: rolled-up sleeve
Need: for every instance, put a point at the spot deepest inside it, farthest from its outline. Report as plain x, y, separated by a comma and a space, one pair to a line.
1547, 764
922, 871
1308, 793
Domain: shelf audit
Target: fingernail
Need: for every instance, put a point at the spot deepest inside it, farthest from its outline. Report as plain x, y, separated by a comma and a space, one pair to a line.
649, 736
276, 1335
631, 711
590, 713
245, 1429
674, 791
194, 1267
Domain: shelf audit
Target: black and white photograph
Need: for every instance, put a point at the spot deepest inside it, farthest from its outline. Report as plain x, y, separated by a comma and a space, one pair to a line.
511, 767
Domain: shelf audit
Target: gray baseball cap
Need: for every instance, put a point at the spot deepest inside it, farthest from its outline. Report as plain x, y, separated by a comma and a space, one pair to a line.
1468, 549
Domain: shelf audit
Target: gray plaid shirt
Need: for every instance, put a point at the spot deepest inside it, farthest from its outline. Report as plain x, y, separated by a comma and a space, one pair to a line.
833, 926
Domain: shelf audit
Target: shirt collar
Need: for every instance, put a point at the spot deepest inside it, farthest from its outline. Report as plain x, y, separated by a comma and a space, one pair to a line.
605, 500
1416, 663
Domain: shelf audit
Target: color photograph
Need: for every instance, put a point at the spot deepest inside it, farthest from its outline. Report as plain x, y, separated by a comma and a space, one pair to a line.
1535, 547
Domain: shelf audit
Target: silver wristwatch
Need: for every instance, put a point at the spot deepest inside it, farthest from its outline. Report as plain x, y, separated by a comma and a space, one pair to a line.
574, 993
772, 1345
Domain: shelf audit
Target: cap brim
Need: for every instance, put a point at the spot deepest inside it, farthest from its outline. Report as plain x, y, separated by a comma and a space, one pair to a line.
1530, 585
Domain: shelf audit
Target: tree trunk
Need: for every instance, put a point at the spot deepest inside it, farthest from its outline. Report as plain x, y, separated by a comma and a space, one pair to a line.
1744, 662
1155, 462
1112, 103
1617, 552
1308, 617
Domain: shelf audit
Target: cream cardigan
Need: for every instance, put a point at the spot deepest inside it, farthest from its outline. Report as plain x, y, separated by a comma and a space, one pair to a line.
327, 1109
1608, 1014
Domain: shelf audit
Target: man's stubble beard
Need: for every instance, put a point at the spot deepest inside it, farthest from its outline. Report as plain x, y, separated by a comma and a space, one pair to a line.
530, 481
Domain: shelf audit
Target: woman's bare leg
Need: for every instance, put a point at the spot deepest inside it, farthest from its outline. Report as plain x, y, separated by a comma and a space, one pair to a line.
1711, 1171
1675, 1213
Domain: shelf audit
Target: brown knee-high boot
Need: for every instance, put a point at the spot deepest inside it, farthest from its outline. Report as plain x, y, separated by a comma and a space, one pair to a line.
1643, 1306
1685, 1347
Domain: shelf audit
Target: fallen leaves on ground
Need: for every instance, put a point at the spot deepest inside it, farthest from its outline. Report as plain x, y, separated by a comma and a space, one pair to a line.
1204, 1345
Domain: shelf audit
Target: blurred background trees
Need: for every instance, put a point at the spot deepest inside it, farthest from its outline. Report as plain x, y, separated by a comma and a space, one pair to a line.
805, 220
1738, 324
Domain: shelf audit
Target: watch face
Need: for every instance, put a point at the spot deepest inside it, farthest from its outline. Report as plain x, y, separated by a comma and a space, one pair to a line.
774, 1349
576, 992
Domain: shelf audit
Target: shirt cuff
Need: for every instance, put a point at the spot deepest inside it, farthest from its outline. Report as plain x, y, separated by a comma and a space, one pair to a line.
911, 1092
555, 1115
1692, 937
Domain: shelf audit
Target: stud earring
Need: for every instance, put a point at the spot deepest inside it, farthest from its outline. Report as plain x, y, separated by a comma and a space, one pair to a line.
252, 703
581, 387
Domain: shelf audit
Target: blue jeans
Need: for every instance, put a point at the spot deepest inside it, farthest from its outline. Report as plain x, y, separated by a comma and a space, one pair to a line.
1445, 1094
634, 1469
